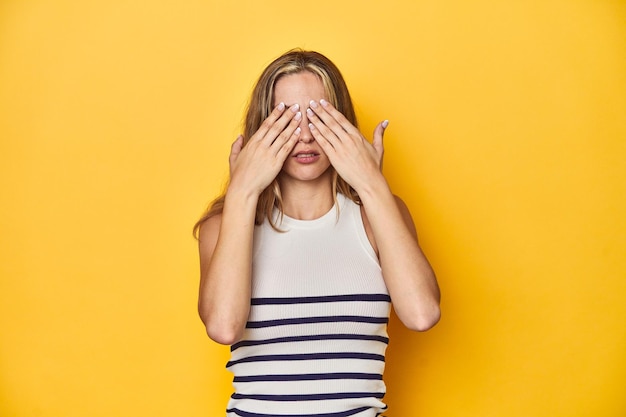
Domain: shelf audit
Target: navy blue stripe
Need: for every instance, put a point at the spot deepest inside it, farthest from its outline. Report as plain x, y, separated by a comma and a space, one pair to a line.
310, 338
339, 414
310, 320
309, 356
320, 299
310, 397
307, 377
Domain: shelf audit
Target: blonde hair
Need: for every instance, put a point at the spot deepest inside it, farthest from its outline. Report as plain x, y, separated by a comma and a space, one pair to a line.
259, 108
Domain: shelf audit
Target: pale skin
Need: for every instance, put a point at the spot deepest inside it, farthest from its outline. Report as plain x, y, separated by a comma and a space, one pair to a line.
303, 136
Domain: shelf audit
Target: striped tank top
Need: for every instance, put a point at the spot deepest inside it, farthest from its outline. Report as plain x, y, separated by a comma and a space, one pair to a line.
315, 341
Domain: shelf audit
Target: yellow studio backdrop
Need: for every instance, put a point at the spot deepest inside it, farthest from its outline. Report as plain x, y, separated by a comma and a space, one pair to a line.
507, 141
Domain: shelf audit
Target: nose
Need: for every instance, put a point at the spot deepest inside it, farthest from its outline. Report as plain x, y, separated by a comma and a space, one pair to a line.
305, 133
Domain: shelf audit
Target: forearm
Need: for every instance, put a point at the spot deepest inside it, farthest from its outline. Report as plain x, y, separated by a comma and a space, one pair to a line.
407, 273
226, 285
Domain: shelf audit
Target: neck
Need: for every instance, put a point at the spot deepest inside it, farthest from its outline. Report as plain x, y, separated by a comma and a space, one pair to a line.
306, 200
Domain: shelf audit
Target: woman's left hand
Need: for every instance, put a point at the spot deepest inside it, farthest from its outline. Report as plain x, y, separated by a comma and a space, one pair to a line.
354, 157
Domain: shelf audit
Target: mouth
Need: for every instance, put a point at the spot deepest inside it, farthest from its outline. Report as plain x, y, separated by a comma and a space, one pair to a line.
306, 155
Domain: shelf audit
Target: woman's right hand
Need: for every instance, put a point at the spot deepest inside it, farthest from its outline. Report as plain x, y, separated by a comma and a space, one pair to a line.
255, 165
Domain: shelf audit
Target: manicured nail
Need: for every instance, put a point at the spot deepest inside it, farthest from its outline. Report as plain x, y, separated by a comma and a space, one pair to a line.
309, 112
385, 124
297, 131
295, 108
298, 116
311, 127
281, 106
324, 103
313, 104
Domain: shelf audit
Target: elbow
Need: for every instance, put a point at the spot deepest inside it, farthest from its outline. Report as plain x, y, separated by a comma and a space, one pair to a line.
224, 336
427, 322
421, 321
224, 332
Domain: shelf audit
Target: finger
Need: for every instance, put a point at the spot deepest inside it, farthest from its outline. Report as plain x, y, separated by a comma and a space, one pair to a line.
319, 129
235, 150
333, 118
285, 120
285, 150
379, 133
287, 133
278, 111
324, 143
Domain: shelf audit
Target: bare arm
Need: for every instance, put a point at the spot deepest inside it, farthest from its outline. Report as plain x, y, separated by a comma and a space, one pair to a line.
408, 275
225, 244
225, 241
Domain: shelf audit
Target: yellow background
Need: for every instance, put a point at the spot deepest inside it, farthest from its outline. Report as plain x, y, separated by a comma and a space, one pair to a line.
507, 140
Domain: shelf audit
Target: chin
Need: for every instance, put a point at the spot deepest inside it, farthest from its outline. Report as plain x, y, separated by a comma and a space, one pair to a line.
307, 173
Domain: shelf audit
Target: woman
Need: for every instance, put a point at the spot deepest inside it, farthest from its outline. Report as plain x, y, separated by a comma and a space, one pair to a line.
304, 253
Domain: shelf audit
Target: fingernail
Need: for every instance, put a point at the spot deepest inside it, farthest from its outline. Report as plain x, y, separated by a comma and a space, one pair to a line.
297, 131
281, 106
323, 102
309, 112
298, 116
385, 124
313, 104
311, 127
295, 108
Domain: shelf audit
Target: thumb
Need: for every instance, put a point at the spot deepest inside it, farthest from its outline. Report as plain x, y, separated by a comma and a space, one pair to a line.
235, 149
379, 132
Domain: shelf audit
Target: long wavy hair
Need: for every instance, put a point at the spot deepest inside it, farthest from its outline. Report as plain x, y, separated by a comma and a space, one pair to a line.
259, 108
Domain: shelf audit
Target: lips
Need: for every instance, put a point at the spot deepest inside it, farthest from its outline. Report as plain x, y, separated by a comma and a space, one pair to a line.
305, 153
306, 156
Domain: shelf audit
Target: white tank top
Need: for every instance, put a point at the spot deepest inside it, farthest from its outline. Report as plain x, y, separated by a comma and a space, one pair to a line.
317, 333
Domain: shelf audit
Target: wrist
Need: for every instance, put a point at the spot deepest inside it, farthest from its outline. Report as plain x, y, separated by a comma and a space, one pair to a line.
374, 188
241, 191
241, 199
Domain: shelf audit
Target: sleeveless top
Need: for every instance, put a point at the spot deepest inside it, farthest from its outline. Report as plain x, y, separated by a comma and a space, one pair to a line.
315, 340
